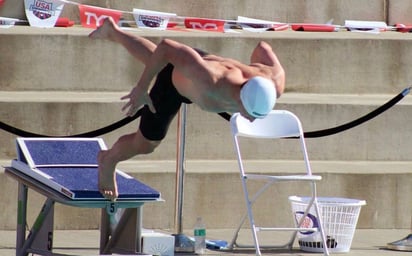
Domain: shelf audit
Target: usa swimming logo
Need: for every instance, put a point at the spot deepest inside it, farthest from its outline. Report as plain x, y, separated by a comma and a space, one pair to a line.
42, 9
151, 21
310, 221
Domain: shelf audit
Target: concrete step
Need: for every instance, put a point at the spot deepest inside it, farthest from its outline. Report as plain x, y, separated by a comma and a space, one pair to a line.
311, 11
385, 138
341, 62
212, 189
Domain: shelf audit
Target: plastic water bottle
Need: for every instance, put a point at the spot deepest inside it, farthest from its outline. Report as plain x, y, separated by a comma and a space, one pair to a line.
200, 236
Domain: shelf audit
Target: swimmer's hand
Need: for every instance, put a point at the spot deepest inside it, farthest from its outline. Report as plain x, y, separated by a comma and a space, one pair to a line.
137, 98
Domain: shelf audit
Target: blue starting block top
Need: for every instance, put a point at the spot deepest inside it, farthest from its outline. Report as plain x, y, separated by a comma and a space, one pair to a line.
69, 166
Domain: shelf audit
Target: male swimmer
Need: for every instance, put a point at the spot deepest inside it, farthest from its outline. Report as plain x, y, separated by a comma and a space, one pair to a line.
185, 75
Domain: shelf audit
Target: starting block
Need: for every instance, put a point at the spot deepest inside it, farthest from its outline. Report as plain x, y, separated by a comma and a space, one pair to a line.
65, 170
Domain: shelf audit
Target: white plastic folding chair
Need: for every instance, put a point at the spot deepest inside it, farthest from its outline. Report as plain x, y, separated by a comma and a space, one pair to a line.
277, 124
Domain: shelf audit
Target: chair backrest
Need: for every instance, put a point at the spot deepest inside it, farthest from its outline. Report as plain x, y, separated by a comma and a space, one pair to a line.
277, 124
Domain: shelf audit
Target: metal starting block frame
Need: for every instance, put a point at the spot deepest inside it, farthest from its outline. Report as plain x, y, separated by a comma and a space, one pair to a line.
39, 159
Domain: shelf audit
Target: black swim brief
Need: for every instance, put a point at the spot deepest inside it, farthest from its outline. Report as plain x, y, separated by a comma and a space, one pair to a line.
166, 100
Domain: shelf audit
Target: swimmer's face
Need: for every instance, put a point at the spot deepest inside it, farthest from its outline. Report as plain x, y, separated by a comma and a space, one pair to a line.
245, 114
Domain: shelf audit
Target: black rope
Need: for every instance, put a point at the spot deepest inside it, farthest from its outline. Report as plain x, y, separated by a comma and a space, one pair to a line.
95, 133
356, 122
110, 127
349, 125
226, 116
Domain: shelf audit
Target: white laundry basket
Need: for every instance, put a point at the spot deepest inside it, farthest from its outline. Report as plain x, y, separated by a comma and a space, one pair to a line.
339, 218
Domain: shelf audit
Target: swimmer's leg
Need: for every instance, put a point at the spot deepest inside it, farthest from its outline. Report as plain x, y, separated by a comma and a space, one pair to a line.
124, 148
139, 47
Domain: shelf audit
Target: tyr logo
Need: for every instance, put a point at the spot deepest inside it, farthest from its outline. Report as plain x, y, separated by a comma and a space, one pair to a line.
206, 26
90, 16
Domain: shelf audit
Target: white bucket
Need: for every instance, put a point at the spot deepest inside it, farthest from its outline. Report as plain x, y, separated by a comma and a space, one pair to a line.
339, 219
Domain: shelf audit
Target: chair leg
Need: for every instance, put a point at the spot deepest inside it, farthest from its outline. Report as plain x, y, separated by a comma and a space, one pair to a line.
320, 222
235, 236
251, 219
253, 229
321, 230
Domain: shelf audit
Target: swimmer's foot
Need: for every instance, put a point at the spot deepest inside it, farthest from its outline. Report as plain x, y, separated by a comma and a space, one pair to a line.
107, 177
105, 31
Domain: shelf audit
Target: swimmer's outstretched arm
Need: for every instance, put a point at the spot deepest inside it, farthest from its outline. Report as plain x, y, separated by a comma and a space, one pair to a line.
263, 54
183, 58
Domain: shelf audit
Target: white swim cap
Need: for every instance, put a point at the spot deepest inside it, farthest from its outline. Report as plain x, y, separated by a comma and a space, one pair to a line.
258, 96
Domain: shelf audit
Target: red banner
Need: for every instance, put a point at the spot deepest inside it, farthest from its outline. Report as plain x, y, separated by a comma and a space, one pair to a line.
205, 24
92, 17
